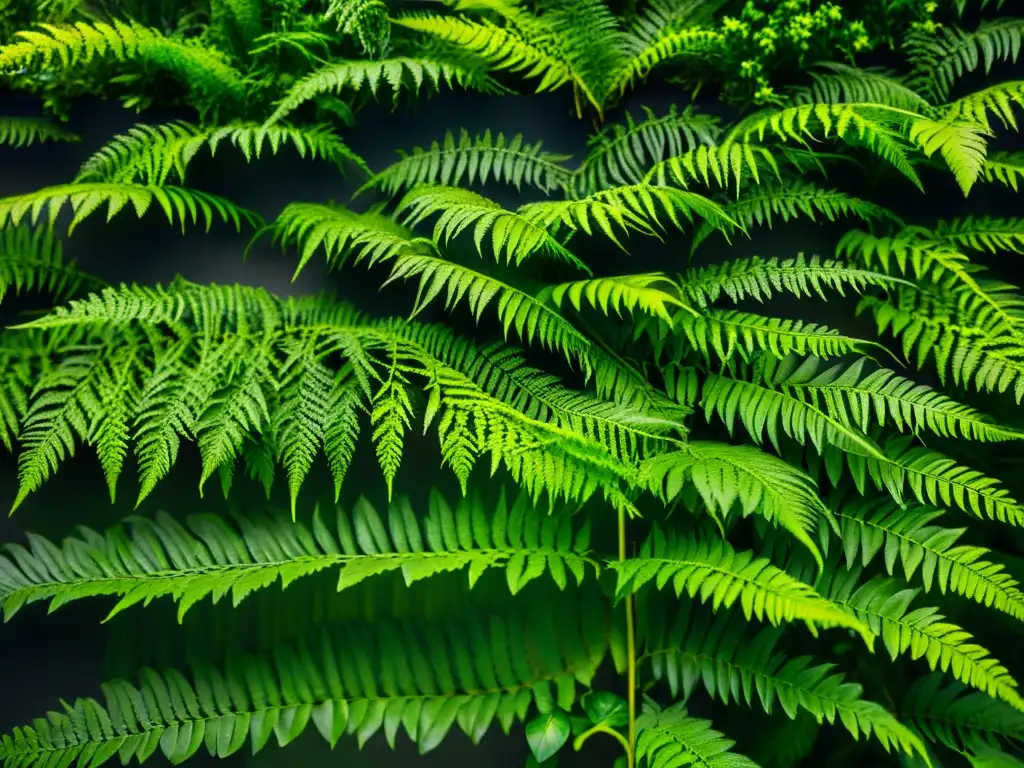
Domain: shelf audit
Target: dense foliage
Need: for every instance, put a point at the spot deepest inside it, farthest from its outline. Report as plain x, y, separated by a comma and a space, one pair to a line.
686, 483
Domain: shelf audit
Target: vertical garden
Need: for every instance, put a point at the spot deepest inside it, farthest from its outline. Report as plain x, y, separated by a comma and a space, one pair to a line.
696, 444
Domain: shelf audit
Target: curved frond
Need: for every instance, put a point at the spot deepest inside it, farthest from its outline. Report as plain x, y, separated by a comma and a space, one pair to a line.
983, 233
841, 83
33, 260
670, 737
1006, 168
652, 293
997, 99
725, 164
18, 132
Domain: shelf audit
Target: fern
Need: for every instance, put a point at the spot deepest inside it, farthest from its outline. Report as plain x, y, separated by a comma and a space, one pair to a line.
366, 20
984, 234
841, 83
33, 260
670, 737
723, 164
20, 132
997, 99
1004, 167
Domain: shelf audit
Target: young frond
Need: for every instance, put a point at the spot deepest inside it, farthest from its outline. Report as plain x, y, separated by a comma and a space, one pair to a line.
670, 738
33, 260
760, 279
997, 99
726, 476
151, 154
652, 293
712, 570
645, 52
357, 679
884, 605
842, 83
621, 155
941, 58
762, 205
476, 160
394, 74
725, 164
692, 647
20, 132
953, 715
205, 71
905, 536
1006, 168
983, 233
177, 203
208, 557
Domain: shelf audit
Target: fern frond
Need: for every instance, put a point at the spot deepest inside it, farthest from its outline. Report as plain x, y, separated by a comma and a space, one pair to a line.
726, 476
1004, 167
354, 681
212, 558
842, 83
905, 535
177, 203
670, 737
941, 58
645, 52
884, 605
365, 20
724, 164
950, 714
652, 293
150, 154
712, 570
983, 233
205, 71
394, 74
692, 647
475, 160
18, 132
33, 260
621, 155
997, 99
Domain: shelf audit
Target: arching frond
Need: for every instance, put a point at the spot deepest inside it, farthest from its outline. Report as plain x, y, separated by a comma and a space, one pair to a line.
355, 680
33, 260
177, 203
841, 83
688, 648
671, 737
20, 132
1004, 167
997, 99
647, 51
712, 570
906, 536
151, 154
884, 605
983, 233
652, 293
621, 155
395, 75
476, 160
725, 164
212, 558
365, 20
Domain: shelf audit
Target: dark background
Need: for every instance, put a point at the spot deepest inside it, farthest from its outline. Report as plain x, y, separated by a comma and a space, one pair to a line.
62, 655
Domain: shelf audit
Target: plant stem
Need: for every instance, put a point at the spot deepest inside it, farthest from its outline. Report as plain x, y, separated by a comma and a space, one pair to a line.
630, 650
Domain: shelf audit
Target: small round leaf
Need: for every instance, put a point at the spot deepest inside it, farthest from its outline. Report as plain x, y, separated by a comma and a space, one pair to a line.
607, 708
547, 734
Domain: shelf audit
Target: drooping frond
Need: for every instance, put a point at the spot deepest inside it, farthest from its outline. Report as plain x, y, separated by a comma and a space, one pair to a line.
906, 536
653, 47
714, 571
355, 680
726, 164
941, 58
20, 132
205, 71
178, 204
760, 279
365, 20
689, 647
670, 738
884, 605
997, 99
476, 160
395, 75
727, 476
762, 205
622, 155
151, 154
210, 557
1005, 168
953, 715
33, 260
983, 233
652, 293
842, 83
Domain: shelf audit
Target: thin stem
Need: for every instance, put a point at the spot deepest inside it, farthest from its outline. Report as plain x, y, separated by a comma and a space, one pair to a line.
630, 651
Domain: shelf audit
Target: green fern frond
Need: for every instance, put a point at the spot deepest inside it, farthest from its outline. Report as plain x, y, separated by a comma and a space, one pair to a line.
150, 154
983, 233
842, 83
475, 160
692, 647
395, 75
712, 570
884, 605
211, 558
1007, 168
419, 678
723, 164
760, 279
205, 71
33, 260
621, 155
941, 58
952, 715
997, 99
652, 293
963, 145
365, 20
646, 52
670, 737
905, 535
767, 201
726, 476
177, 203
18, 132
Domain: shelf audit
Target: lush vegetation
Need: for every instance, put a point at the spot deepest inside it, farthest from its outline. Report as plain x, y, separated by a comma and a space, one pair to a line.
668, 478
